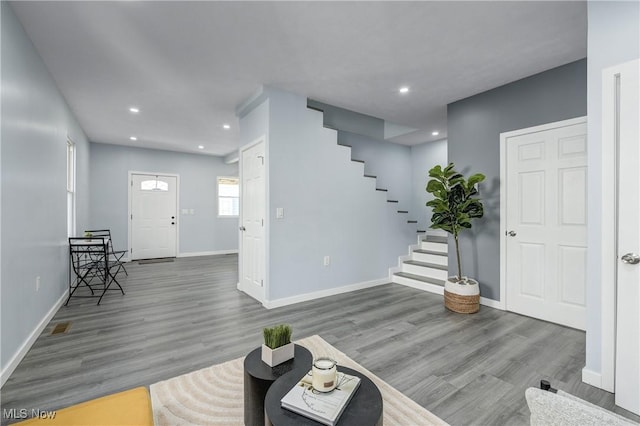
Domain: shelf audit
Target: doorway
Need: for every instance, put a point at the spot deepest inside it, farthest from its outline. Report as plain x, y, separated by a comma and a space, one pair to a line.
544, 240
620, 267
153, 219
252, 220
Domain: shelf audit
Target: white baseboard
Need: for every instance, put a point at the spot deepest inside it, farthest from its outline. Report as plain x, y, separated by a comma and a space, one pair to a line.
592, 378
285, 301
496, 304
436, 289
253, 291
19, 355
207, 253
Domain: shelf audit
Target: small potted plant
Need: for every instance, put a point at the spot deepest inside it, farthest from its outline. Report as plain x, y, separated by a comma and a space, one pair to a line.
454, 206
277, 347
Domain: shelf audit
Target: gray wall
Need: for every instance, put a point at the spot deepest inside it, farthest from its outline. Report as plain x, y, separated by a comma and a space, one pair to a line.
399, 168
201, 232
390, 162
350, 121
474, 131
423, 158
613, 38
329, 207
35, 123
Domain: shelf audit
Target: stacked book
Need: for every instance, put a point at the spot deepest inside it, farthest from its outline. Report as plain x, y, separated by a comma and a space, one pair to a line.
323, 407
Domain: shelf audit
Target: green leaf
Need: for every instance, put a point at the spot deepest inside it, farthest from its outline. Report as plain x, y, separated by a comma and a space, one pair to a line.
436, 171
434, 186
475, 179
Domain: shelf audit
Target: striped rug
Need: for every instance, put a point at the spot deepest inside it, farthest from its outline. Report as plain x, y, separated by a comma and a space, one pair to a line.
214, 395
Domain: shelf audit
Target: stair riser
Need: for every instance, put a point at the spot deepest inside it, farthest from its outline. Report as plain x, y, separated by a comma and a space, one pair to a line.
437, 232
439, 247
429, 258
424, 271
432, 288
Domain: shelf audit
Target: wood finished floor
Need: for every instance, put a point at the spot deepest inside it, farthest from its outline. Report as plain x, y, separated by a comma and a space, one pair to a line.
181, 316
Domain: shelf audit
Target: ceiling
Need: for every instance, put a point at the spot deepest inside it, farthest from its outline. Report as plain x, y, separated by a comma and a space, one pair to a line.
187, 65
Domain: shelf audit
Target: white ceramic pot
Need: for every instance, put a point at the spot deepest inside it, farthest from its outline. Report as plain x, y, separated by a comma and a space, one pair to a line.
273, 357
463, 298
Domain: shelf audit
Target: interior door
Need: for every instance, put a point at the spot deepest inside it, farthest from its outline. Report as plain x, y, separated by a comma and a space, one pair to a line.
153, 216
627, 133
546, 238
252, 218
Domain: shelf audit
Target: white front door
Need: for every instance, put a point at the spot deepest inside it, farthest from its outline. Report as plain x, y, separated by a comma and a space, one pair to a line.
252, 220
626, 135
546, 222
153, 216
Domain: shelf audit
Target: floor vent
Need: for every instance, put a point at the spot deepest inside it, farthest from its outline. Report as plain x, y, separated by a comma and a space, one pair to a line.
61, 328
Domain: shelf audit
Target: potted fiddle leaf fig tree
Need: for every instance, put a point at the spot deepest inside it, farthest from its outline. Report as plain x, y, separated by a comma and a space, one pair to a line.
454, 205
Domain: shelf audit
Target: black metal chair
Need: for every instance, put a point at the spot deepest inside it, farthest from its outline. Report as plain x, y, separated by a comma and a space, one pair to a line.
115, 255
90, 266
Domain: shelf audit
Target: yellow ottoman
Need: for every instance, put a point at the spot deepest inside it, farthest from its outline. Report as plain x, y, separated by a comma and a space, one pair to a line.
132, 407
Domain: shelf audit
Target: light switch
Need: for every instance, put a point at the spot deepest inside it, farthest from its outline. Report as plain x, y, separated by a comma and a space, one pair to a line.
279, 213
191, 211
185, 211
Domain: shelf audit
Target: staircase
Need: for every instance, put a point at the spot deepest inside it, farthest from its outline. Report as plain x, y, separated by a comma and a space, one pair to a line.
426, 266
390, 201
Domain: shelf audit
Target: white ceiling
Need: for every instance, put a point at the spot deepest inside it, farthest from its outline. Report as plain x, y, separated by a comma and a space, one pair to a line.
187, 65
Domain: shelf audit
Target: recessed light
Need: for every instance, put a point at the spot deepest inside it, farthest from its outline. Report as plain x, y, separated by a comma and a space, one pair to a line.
200, 146
226, 126
133, 138
436, 133
134, 110
404, 89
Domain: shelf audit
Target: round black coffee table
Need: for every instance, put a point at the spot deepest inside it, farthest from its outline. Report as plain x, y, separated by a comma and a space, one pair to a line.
364, 409
258, 377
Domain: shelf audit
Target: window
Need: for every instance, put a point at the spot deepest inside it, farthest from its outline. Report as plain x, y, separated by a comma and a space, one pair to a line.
228, 196
154, 185
71, 189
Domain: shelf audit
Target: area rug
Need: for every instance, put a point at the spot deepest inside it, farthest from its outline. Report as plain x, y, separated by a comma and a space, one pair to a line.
214, 395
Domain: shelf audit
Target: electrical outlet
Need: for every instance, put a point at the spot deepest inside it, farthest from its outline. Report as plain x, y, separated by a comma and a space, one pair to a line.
327, 260
38, 283
191, 211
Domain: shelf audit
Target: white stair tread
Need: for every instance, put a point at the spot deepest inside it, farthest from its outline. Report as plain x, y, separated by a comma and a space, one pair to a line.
435, 239
420, 278
427, 265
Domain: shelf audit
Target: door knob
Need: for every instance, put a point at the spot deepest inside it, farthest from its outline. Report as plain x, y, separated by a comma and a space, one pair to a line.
511, 233
242, 228
630, 258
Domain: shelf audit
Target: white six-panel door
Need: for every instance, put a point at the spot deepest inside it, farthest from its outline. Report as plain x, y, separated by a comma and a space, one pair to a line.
153, 216
621, 85
252, 221
546, 225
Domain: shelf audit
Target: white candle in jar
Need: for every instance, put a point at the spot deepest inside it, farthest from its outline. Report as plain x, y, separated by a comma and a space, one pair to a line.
324, 374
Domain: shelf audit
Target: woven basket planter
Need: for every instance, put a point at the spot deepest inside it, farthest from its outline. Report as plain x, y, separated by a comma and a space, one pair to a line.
462, 298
